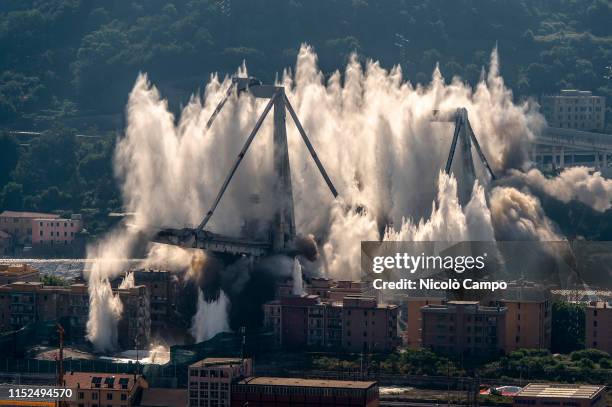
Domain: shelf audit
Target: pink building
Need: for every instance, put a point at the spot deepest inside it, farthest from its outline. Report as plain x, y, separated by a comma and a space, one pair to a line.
55, 231
210, 380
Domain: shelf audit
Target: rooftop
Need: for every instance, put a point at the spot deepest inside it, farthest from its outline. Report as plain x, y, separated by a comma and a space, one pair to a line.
17, 269
296, 382
159, 397
89, 380
524, 294
575, 391
600, 305
15, 214
217, 362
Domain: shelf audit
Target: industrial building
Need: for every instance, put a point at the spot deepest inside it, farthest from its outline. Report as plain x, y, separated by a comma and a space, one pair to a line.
464, 327
286, 392
575, 395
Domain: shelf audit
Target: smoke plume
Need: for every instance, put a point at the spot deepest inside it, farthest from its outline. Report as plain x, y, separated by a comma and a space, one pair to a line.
572, 184
211, 317
373, 132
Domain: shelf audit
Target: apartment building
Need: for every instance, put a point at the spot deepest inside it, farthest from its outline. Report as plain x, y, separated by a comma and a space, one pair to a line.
11, 273
287, 392
598, 326
134, 327
563, 395
411, 315
210, 380
22, 303
19, 224
528, 317
368, 326
575, 109
163, 291
105, 389
6, 243
55, 231
355, 324
37, 228
463, 327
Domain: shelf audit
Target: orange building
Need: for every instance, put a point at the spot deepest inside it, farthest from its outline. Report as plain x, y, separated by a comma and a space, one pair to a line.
546, 395
528, 317
105, 389
598, 326
412, 317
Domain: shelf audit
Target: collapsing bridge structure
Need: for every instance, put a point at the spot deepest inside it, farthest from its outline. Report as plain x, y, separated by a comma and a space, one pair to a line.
464, 135
282, 236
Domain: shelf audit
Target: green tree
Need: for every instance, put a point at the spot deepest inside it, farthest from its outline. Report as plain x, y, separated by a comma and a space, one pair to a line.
567, 327
9, 156
12, 196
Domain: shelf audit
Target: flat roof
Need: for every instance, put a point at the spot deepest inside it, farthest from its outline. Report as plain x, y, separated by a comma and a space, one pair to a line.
297, 382
164, 397
575, 391
216, 362
17, 214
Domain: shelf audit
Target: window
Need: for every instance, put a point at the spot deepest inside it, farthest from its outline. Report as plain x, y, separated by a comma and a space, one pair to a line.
109, 396
123, 396
81, 395
94, 396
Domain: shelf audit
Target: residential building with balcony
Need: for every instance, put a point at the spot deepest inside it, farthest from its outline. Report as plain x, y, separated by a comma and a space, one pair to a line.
464, 327
354, 324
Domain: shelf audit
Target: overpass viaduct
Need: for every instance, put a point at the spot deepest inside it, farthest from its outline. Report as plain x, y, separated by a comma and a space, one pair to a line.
559, 148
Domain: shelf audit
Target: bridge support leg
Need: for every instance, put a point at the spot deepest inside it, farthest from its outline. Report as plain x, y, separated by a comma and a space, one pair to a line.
283, 229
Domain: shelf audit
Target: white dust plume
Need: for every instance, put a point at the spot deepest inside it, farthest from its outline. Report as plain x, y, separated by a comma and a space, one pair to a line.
210, 318
572, 184
372, 131
296, 276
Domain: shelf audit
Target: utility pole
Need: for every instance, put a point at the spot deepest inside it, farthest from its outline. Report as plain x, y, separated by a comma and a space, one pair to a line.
243, 332
60, 362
